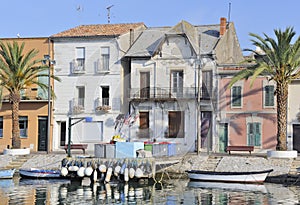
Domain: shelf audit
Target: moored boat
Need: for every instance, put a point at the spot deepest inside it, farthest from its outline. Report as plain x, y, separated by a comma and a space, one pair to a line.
40, 173
233, 177
7, 173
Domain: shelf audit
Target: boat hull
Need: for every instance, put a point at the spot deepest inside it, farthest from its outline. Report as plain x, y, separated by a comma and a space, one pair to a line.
40, 173
7, 173
233, 177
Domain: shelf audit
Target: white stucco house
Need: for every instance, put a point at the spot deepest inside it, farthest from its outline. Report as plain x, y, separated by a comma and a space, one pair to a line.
88, 62
173, 83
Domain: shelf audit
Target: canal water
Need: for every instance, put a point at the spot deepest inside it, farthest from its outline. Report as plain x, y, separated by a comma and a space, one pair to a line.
180, 191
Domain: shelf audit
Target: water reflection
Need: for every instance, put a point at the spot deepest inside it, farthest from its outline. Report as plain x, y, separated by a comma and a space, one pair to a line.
24, 191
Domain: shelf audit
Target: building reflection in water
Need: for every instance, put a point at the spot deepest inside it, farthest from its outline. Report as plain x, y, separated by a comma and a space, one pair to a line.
143, 192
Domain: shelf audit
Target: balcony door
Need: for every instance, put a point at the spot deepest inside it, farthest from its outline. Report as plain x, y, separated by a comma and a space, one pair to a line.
177, 83
145, 85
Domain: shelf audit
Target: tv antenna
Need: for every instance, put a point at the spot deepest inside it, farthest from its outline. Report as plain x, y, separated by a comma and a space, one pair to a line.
108, 13
229, 11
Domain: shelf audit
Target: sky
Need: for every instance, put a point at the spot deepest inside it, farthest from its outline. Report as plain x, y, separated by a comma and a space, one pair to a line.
43, 18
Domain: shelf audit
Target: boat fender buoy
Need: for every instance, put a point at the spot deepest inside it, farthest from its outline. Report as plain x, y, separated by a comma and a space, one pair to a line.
131, 173
138, 173
126, 177
64, 171
117, 170
80, 172
88, 171
102, 168
95, 176
108, 174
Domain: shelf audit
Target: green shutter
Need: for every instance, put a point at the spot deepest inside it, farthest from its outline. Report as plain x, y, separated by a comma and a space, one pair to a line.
257, 134
269, 95
236, 96
254, 134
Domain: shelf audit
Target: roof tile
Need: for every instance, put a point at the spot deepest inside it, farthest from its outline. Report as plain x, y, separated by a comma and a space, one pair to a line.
99, 30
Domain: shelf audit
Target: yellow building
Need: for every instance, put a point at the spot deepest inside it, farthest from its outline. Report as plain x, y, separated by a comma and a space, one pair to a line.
33, 107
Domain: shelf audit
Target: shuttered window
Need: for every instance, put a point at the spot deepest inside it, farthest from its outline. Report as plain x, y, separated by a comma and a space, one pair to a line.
269, 95
105, 58
236, 96
254, 134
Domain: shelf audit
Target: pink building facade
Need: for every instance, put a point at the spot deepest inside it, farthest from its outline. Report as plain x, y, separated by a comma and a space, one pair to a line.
246, 113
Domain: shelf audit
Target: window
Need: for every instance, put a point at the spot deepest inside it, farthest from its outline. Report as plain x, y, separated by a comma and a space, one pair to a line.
269, 95
145, 85
236, 96
80, 59
105, 95
176, 124
81, 96
206, 84
177, 83
41, 93
1, 127
23, 125
105, 58
144, 125
254, 134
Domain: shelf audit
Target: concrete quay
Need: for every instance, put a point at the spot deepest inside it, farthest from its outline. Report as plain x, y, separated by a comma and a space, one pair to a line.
285, 170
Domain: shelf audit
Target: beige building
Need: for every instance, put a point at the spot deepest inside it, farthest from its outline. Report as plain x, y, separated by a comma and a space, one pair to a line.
33, 107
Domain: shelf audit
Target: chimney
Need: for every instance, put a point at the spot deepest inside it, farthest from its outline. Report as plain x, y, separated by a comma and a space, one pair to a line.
222, 26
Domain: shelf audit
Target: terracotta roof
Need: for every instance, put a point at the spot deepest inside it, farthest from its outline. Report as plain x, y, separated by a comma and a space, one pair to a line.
99, 30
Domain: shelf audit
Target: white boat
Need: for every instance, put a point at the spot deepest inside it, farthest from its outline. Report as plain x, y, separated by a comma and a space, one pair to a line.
7, 173
236, 177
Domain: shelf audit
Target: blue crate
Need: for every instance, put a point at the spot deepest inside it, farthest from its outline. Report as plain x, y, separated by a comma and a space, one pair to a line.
128, 149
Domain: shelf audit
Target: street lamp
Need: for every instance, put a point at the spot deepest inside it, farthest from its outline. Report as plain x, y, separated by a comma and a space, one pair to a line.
49, 62
79, 119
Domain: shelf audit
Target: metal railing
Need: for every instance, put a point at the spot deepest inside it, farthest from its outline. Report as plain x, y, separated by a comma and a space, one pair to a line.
167, 93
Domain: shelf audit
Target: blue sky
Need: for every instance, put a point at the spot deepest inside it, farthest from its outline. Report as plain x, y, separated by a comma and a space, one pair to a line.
41, 18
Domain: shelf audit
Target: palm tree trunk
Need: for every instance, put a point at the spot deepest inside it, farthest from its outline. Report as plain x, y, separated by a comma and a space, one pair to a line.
282, 95
15, 102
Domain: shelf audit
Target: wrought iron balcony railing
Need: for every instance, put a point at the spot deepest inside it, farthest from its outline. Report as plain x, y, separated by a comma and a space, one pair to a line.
167, 93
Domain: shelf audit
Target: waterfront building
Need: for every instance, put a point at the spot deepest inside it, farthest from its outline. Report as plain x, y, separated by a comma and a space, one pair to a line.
89, 63
33, 110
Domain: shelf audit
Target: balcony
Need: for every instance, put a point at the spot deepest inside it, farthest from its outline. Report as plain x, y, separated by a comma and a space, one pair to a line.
166, 93
77, 105
102, 67
78, 66
102, 105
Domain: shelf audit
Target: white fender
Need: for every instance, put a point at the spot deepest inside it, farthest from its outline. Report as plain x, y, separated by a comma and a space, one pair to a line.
102, 168
64, 171
131, 173
95, 176
80, 172
88, 171
126, 177
108, 174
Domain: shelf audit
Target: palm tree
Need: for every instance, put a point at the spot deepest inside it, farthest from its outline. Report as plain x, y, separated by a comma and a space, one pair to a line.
278, 60
19, 70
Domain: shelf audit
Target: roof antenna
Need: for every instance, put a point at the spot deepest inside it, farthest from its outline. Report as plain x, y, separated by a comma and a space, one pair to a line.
108, 13
229, 12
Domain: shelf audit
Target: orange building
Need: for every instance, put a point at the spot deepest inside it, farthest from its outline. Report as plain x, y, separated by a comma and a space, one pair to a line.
34, 110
